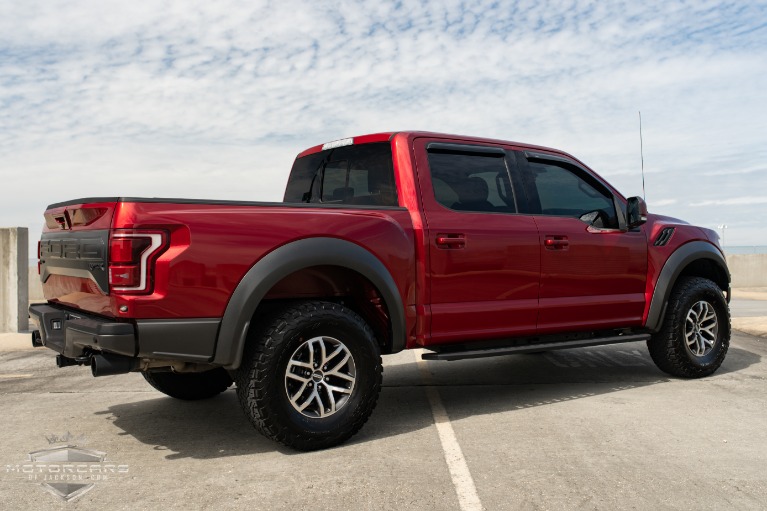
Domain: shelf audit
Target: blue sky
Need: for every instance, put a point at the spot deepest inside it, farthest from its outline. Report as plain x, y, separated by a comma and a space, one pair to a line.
215, 99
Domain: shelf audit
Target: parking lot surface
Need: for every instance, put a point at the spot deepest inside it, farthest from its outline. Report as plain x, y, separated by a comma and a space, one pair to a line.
595, 428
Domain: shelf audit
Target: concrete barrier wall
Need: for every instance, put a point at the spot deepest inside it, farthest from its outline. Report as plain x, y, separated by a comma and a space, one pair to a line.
14, 287
35, 286
748, 270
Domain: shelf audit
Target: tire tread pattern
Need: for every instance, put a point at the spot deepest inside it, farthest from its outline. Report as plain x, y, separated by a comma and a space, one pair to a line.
667, 347
258, 382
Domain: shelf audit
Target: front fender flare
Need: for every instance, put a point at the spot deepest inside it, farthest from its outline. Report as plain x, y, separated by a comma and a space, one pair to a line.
288, 259
674, 266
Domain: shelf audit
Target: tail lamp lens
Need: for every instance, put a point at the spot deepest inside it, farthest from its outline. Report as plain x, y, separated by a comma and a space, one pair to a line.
131, 258
124, 276
127, 249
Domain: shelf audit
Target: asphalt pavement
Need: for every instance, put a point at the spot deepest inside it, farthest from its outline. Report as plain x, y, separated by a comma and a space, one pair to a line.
595, 428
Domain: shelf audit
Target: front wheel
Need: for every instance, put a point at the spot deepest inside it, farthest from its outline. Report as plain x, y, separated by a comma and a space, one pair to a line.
696, 330
311, 375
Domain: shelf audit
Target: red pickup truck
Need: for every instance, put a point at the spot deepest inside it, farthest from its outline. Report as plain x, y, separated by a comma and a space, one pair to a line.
465, 247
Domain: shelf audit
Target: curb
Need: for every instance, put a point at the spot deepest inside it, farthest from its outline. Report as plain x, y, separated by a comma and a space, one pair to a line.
753, 326
15, 342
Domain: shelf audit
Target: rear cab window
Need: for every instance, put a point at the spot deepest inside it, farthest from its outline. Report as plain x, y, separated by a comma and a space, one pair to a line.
359, 174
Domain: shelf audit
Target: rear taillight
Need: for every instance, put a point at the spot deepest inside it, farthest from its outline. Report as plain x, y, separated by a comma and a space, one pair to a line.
131, 259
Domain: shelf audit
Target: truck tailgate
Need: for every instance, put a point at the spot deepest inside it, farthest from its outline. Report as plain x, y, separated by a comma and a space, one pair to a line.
73, 254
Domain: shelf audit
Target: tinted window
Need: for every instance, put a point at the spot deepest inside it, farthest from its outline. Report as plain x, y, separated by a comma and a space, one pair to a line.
334, 185
562, 192
356, 174
471, 182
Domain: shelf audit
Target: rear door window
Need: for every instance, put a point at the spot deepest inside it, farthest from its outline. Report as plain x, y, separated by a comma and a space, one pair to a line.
465, 181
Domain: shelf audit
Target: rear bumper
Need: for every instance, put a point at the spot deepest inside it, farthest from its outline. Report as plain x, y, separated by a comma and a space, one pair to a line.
72, 334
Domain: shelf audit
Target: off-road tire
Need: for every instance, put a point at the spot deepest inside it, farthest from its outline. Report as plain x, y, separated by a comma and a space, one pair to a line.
668, 348
261, 380
190, 386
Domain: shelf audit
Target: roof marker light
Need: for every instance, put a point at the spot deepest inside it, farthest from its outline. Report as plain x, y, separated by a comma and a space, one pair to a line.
338, 143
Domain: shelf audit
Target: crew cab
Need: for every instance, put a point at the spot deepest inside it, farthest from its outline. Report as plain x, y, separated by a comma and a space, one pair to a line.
461, 246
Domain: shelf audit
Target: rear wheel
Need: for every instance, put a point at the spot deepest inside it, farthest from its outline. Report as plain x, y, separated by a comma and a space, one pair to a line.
696, 330
190, 386
311, 376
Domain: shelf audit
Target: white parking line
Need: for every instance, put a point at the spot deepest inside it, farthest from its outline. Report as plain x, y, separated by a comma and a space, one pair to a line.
3, 376
468, 499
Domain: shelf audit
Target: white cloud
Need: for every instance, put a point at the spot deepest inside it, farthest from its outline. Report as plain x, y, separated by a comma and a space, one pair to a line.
214, 99
734, 201
664, 202
724, 171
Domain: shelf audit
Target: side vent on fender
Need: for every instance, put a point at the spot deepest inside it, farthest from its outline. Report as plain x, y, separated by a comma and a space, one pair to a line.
664, 237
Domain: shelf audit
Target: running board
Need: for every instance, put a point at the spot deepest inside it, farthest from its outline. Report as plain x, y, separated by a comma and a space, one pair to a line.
532, 348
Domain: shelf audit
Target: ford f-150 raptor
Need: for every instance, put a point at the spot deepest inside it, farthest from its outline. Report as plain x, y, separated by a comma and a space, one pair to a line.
464, 247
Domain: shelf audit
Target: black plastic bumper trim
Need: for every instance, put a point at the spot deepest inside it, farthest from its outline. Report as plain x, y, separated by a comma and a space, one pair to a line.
117, 338
191, 340
70, 333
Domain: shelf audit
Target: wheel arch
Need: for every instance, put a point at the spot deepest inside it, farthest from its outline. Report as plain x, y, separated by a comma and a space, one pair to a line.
694, 259
295, 257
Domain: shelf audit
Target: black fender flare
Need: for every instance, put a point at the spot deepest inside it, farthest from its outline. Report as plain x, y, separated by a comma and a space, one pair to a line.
674, 266
287, 259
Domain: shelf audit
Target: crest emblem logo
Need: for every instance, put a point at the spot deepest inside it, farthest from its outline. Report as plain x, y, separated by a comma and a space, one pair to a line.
64, 458
67, 471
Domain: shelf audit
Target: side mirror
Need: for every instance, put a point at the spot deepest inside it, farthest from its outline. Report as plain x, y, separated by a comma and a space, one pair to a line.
636, 212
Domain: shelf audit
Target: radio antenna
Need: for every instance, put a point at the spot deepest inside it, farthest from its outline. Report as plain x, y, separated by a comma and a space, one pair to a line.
641, 154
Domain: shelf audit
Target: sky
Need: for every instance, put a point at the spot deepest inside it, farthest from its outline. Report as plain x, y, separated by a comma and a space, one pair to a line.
215, 99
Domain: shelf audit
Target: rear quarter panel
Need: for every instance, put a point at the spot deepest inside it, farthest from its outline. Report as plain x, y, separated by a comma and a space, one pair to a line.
213, 246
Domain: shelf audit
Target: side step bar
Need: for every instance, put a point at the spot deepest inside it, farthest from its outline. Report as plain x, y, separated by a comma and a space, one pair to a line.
531, 348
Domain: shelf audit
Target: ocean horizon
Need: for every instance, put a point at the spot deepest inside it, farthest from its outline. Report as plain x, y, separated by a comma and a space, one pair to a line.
745, 249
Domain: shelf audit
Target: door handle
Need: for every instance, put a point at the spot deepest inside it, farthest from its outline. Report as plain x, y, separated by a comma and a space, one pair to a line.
451, 240
556, 242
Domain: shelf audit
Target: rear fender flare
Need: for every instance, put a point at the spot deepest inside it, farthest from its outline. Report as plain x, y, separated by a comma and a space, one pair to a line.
671, 271
286, 260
